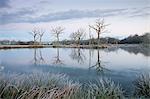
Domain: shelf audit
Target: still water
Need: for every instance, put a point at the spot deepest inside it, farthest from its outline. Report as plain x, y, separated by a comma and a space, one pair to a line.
122, 65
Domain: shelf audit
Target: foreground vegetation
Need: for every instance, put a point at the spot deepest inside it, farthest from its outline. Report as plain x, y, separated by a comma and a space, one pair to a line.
50, 86
142, 85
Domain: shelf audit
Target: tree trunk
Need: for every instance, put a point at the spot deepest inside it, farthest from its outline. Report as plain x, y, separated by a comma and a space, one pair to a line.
34, 40
79, 41
57, 40
40, 40
98, 39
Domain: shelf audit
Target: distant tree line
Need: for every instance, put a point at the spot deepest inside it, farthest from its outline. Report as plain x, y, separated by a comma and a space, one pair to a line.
135, 39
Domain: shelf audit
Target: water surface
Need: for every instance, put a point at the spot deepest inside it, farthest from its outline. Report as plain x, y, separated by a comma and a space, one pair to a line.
122, 65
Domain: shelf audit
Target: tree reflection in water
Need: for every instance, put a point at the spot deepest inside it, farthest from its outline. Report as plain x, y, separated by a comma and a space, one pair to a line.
99, 66
78, 55
37, 57
57, 60
41, 59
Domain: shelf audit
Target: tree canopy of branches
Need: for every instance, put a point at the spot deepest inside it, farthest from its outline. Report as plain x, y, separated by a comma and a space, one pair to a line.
78, 35
57, 31
40, 33
99, 27
35, 34
73, 36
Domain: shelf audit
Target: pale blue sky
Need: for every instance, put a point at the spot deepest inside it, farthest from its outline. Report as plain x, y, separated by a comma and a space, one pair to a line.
18, 17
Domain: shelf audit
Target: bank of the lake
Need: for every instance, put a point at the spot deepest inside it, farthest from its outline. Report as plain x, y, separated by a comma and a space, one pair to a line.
101, 46
53, 46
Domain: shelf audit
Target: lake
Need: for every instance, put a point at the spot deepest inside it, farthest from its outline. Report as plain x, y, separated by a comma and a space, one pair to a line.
121, 64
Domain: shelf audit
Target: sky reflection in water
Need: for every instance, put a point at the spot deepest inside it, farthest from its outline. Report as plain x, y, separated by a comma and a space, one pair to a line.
120, 64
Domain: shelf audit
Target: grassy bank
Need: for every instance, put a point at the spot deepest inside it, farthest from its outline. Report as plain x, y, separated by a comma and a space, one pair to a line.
77, 46
21, 46
52, 46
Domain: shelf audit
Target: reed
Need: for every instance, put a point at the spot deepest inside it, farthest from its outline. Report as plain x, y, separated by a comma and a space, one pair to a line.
55, 86
142, 86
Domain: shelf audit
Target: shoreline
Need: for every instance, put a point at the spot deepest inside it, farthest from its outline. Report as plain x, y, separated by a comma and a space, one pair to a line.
53, 46
102, 46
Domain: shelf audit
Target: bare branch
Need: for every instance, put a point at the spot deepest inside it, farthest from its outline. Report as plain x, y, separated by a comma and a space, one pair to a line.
93, 27
56, 31
78, 35
41, 33
34, 33
99, 27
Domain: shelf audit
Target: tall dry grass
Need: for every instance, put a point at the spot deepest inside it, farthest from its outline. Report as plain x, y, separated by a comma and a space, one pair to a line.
52, 86
142, 86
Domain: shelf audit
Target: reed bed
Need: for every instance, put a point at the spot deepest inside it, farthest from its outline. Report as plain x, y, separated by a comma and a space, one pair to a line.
55, 86
59, 86
36, 86
103, 88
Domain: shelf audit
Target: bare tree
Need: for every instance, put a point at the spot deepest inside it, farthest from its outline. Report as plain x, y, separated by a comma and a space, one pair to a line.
35, 34
99, 27
57, 31
73, 36
41, 33
78, 35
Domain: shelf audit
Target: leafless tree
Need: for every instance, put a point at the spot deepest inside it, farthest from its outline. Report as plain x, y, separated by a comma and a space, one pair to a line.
78, 35
35, 34
99, 27
41, 33
57, 31
73, 36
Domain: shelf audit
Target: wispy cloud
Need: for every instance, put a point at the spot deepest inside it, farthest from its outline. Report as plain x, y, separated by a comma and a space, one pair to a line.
142, 12
26, 15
